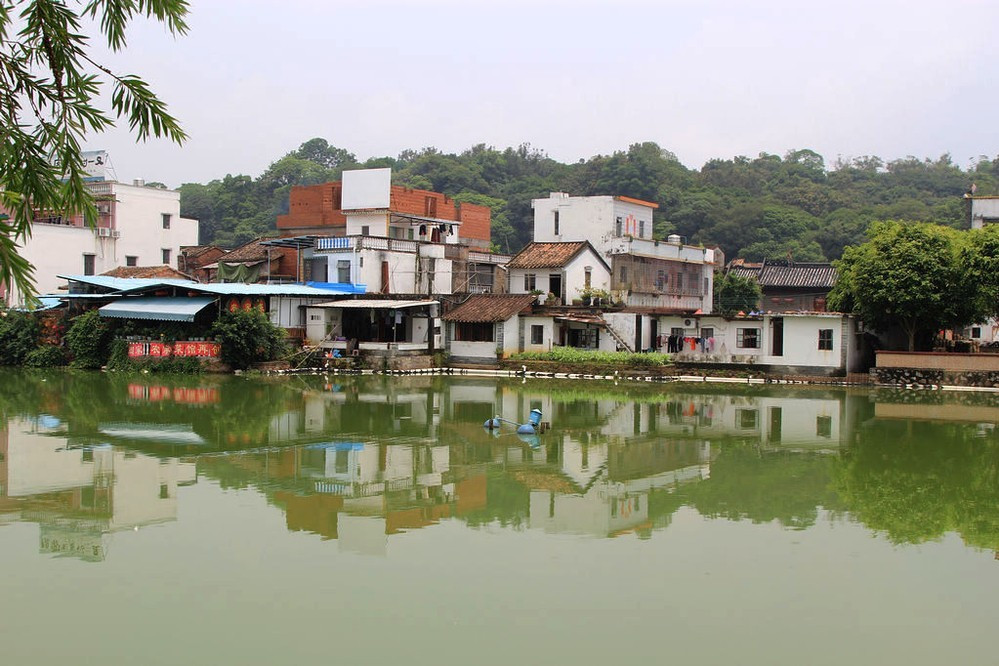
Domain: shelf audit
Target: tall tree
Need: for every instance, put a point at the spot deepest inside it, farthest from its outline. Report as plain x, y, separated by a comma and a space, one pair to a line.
910, 276
50, 91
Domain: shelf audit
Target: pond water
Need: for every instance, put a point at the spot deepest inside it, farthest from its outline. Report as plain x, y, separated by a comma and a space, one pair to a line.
230, 520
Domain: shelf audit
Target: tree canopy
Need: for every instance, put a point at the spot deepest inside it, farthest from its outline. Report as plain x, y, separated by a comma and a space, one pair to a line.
767, 207
920, 277
50, 95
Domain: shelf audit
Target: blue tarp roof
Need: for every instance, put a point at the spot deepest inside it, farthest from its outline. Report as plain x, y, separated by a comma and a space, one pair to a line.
160, 308
125, 285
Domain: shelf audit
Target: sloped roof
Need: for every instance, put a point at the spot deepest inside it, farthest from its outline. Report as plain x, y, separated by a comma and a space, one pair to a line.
489, 308
550, 255
783, 274
812, 275
252, 251
162, 271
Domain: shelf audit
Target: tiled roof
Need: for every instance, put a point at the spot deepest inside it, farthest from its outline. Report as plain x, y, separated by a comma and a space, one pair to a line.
163, 271
546, 255
818, 275
489, 307
252, 251
780, 274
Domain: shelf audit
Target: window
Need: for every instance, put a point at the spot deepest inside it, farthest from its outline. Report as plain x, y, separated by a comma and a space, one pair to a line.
748, 419
365, 230
430, 206
624, 273
679, 280
166, 220
676, 331
826, 339
474, 331
707, 332
617, 227
641, 228
556, 223
976, 332
747, 338
537, 334
164, 491
587, 277
166, 256
823, 426
530, 282
660, 279
89, 264
131, 261
343, 271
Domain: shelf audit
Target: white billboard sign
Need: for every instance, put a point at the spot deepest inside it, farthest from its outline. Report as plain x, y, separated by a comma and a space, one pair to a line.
95, 164
366, 188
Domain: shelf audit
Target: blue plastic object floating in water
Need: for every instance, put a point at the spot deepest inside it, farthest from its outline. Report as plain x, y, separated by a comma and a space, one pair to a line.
526, 429
535, 418
531, 440
491, 424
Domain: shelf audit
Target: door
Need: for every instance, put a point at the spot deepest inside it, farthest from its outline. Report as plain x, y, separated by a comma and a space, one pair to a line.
778, 337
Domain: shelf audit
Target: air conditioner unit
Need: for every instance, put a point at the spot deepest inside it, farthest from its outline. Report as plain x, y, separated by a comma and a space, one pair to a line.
115, 233
103, 209
103, 232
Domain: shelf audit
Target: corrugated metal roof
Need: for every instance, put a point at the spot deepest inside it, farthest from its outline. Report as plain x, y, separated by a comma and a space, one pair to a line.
126, 285
546, 255
489, 308
119, 284
159, 308
376, 303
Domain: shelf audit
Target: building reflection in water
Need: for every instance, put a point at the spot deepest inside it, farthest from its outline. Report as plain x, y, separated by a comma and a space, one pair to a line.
79, 495
365, 459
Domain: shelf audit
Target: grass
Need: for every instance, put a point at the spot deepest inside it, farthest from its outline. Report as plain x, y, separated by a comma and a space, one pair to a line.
610, 359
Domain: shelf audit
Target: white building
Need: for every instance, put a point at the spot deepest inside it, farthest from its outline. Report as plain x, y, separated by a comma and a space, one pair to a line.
820, 343
136, 226
397, 246
645, 273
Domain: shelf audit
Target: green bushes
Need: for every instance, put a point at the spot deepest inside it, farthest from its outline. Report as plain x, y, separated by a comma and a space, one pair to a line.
571, 355
18, 336
46, 356
248, 337
89, 340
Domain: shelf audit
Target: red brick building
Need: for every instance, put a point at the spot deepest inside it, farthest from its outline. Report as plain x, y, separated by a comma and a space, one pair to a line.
316, 209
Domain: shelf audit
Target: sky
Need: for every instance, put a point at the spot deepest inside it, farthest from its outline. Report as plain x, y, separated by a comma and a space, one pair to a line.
705, 79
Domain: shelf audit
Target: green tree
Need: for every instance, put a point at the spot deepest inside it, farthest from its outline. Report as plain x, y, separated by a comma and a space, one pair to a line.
50, 93
734, 293
89, 340
910, 276
248, 337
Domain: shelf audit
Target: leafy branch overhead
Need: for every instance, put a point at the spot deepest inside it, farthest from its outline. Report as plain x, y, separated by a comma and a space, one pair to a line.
49, 92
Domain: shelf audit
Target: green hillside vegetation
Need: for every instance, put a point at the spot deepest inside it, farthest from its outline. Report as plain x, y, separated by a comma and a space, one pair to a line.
763, 207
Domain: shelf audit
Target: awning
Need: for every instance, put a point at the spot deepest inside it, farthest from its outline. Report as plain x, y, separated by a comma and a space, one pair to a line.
172, 308
595, 320
374, 303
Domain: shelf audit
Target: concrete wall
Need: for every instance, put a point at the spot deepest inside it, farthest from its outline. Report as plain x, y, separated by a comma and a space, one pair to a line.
55, 249
984, 210
939, 361
590, 218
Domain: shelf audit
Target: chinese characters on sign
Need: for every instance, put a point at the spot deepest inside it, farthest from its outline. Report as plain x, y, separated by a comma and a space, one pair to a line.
162, 349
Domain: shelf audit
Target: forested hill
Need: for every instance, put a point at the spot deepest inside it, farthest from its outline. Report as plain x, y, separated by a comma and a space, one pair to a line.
767, 206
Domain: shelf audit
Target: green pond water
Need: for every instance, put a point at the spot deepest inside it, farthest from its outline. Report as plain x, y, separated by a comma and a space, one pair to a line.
373, 520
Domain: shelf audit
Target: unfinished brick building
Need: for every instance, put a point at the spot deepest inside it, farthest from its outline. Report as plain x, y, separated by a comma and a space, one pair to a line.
317, 209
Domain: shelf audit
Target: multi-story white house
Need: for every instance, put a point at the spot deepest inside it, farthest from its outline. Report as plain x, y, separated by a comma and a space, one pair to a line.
136, 226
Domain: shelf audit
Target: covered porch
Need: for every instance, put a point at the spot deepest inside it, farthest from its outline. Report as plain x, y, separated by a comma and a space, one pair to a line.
375, 326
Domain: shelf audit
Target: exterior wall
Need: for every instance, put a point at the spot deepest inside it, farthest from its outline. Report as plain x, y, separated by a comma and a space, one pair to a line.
136, 215
787, 300
409, 271
801, 335
315, 208
984, 210
589, 218
548, 334
573, 276
939, 361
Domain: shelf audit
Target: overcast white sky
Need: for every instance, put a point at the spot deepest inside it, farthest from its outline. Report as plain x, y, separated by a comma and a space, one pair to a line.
704, 78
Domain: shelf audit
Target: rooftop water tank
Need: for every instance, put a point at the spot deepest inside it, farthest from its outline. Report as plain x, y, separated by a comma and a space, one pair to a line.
673, 238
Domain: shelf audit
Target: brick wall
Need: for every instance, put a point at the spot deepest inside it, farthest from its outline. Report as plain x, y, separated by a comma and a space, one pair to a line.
312, 207
316, 208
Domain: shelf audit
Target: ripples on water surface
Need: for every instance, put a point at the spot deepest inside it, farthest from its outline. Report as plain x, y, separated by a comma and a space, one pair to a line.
374, 520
